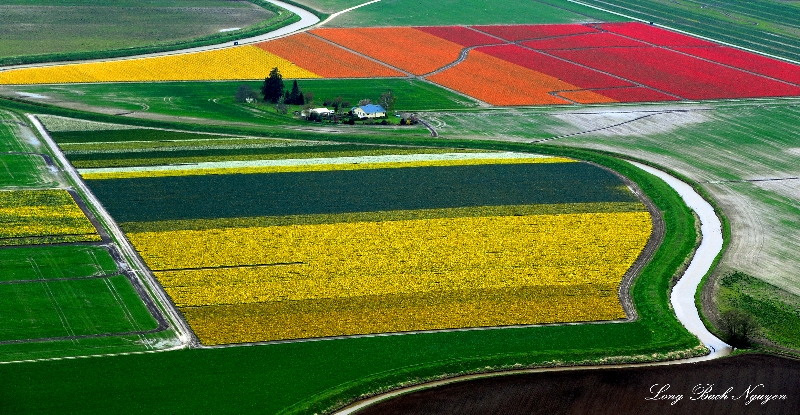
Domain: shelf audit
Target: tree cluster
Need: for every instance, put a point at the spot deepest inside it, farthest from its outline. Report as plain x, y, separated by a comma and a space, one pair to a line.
275, 92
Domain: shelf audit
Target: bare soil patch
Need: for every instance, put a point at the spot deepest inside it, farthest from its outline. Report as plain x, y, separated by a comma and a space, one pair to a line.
632, 122
617, 391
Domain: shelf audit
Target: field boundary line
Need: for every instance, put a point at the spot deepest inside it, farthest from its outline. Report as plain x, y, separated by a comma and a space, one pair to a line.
88, 277
682, 299
140, 273
331, 17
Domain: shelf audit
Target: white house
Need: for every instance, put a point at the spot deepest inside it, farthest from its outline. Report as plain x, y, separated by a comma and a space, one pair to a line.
369, 111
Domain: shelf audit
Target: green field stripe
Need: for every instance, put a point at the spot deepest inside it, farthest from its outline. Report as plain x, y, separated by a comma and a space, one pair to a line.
333, 192
79, 158
396, 215
29, 263
252, 154
210, 143
71, 308
389, 161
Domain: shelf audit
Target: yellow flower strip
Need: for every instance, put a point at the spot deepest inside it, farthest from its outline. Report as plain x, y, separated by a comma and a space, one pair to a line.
244, 62
445, 259
42, 213
391, 215
127, 174
253, 322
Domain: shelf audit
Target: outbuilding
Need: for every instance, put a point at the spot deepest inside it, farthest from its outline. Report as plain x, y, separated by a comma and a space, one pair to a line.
317, 113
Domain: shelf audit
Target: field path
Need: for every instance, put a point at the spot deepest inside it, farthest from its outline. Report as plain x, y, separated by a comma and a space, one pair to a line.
143, 281
682, 299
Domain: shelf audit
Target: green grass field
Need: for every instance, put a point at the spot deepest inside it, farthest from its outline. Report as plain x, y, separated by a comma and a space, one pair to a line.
19, 170
47, 262
769, 26
47, 30
214, 100
776, 313
471, 12
329, 6
35, 310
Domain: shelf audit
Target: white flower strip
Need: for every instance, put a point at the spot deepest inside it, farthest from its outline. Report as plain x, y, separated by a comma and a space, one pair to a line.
400, 158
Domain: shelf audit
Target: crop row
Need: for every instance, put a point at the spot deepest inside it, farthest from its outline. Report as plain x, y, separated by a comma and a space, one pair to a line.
291, 166
251, 322
524, 32
566, 71
244, 62
383, 216
654, 35
36, 263
329, 192
678, 74
625, 94
326, 59
589, 40
499, 82
429, 259
777, 41
406, 48
54, 123
747, 61
42, 216
461, 35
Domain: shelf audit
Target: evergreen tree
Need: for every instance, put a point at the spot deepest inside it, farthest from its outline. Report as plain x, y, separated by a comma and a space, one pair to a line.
295, 96
273, 86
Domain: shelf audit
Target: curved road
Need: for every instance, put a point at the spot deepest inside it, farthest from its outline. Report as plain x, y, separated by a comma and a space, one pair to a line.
682, 298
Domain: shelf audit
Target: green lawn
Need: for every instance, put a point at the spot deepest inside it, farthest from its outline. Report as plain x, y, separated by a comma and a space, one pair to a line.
34, 310
330, 6
776, 313
468, 12
19, 170
45, 262
42, 30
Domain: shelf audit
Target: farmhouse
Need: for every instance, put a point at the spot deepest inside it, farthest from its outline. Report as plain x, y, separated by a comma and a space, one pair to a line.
369, 111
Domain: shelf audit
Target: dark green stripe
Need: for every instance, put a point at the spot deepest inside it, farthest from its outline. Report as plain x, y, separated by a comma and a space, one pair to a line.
332, 192
384, 216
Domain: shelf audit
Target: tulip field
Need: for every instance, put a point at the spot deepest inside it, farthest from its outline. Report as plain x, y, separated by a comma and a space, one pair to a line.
296, 247
503, 65
42, 216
